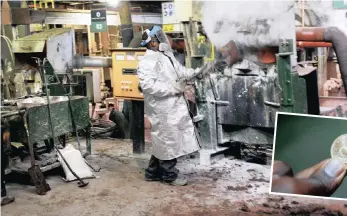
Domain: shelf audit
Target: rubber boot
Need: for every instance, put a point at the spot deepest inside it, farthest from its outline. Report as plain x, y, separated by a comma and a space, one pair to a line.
153, 179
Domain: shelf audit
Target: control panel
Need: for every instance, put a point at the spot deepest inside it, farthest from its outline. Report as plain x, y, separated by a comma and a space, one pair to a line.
124, 73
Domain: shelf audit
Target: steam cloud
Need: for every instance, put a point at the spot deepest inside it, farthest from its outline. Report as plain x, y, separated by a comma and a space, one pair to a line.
263, 23
248, 23
324, 15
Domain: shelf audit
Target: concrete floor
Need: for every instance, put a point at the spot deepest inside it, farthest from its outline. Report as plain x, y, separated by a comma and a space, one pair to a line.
228, 187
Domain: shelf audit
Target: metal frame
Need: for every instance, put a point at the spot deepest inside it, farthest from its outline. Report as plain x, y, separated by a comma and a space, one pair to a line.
93, 83
284, 90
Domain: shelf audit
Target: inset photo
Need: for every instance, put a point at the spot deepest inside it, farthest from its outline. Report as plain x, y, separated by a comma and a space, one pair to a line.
310, 156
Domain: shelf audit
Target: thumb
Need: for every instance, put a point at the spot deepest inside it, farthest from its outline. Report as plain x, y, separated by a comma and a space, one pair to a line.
323, 182
328, 178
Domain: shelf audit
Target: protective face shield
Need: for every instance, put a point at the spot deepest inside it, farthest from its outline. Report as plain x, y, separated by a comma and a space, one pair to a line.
145, 37
164, 44
164, 47
161, 36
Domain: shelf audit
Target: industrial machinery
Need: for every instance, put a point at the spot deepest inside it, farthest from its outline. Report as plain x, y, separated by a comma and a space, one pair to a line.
323, 49
58, 45
91, 87
236, 103
126, 86
70, 112
182, 22
124, 76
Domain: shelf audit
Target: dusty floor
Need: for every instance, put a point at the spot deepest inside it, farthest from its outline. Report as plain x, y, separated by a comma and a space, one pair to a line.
229, 187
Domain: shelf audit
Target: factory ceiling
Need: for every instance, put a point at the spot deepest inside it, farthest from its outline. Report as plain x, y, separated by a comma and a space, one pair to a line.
136, 6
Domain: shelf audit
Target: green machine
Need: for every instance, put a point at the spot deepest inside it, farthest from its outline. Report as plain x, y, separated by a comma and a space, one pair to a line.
237, 105
69, 112
236, 102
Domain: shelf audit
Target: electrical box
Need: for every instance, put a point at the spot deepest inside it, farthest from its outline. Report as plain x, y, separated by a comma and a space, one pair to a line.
124, 73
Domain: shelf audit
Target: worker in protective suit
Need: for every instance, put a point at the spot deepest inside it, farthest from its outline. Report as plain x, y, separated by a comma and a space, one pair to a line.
172, 129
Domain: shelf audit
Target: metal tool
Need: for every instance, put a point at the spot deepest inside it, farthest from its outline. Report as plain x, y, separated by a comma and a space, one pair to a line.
81, 182
71, 110
34, 171
93, 168
201, 71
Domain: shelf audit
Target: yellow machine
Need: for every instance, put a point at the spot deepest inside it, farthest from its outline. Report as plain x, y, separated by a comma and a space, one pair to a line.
124, 73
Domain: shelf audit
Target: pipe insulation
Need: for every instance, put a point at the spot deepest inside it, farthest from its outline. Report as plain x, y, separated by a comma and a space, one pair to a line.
310, 34
92, 61
328, 34
339, 41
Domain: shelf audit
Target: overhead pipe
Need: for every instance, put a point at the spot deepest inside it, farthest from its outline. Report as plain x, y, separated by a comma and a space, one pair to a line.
329, 34
92, 61
313, 44
310, 34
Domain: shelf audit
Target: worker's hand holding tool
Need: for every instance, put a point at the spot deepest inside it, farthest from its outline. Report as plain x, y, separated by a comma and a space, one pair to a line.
207, 68
200, 72
179, 85
322, 179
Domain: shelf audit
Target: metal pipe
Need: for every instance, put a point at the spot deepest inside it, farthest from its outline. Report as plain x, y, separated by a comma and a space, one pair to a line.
310, 34
312, 44
330, 34
13, 113
92, 61
339, 41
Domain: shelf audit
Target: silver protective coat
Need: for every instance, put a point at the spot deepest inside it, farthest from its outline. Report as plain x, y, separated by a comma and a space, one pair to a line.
172, 130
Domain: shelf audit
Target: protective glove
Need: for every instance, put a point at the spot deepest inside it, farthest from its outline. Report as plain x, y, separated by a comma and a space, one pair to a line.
179, 86
206, 69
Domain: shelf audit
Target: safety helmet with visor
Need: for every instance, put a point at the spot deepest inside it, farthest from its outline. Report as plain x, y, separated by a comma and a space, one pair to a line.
155, 32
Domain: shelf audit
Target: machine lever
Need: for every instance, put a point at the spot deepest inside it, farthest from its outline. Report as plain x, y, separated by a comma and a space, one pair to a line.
220, 103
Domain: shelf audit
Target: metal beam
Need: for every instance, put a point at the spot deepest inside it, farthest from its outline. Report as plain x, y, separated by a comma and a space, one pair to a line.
80, 17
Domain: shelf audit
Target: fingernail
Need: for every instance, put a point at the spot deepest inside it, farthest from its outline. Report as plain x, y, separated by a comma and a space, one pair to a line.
275, 177
334, 167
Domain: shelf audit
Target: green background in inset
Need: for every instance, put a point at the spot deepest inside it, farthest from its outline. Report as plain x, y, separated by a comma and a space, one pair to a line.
305, 141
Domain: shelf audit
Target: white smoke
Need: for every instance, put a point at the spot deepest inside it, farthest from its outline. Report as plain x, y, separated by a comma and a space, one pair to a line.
263, 23
248, 23
327, 16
